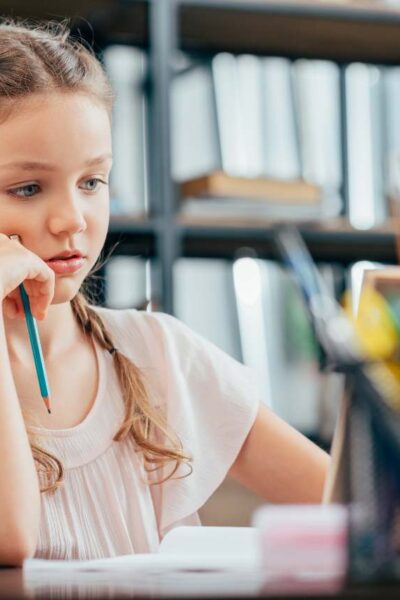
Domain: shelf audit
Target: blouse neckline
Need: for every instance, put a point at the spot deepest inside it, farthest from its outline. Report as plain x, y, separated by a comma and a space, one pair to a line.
84, 443
91, 415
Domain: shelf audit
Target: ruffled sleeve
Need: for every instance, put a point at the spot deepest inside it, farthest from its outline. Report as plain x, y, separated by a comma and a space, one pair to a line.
210, 400
211, 403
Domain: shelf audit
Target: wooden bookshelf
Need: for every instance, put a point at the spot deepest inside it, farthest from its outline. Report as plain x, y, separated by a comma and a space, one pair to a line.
341, 32
334, 242
101, 21
328, 241
131, 235
138, 224
48, 9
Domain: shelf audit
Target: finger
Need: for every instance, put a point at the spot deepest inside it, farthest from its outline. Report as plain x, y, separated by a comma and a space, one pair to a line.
15, 308
40, 291
15, 302
14, 299
40, 300
9, 308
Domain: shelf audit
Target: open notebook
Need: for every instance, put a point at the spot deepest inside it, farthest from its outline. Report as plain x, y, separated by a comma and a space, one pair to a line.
212, 548
191, 561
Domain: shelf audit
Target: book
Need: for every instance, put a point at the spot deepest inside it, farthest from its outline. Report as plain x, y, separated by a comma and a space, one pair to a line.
249, 76
391, 132
195, 147
279, 127
212, 315
364, 117
220, 195
126, 285
126, 67
250, 297
233, 209
232, 120
221, 185
317, 106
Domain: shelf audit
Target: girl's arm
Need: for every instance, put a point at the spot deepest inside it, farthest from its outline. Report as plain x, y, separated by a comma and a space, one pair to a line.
19, 486
279, 464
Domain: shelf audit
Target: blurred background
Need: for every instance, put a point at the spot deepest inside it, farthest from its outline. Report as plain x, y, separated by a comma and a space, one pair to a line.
230, 117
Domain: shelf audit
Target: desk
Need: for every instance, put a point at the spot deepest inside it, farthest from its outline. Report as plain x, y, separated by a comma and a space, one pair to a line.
109, 586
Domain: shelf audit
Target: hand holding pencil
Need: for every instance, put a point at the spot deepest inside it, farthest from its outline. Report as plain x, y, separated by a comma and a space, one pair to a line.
20, 265
19, 268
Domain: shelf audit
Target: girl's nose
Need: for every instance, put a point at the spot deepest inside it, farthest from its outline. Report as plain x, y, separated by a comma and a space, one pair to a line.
67, 217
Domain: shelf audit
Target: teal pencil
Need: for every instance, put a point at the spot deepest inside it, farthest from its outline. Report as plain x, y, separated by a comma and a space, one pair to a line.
36, 348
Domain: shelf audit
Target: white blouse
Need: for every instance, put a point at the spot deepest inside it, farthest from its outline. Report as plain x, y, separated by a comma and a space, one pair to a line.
104, 507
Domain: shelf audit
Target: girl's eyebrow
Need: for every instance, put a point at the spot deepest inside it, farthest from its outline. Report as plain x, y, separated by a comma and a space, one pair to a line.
33, 165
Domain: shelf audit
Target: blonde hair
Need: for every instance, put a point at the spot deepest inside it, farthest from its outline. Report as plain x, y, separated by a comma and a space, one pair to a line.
36, 59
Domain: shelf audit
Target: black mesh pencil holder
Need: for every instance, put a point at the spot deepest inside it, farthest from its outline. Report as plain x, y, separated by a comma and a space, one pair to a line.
367, 478
372, 482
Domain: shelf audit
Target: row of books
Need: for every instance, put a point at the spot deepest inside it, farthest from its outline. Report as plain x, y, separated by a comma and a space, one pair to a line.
249, 126
296, 125
257, 315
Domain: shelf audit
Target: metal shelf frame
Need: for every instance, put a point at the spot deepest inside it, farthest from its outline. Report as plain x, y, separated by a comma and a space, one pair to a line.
210, 240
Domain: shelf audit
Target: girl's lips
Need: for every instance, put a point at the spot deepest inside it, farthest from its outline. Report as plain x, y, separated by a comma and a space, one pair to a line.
66, 265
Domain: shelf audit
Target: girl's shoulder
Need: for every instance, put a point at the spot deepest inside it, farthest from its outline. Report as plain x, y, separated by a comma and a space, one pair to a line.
121, 318
159, 340
145, 336
131, 321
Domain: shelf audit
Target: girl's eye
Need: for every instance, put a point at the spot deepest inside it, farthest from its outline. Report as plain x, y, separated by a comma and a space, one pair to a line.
96, 180
28, 190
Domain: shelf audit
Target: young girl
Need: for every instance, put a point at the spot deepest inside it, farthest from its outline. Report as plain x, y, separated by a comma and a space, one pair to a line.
147, 417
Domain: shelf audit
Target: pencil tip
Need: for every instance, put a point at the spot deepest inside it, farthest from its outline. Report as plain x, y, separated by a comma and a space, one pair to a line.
47, 403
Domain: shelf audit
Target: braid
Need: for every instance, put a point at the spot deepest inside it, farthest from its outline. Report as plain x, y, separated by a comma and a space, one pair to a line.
92, 323
142, 420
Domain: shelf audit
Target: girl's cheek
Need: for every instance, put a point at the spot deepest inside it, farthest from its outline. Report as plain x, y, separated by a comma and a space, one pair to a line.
21, 219
8, 219
101, 218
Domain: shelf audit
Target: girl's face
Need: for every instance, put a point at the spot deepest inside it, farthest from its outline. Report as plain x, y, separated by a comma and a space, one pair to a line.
55, 161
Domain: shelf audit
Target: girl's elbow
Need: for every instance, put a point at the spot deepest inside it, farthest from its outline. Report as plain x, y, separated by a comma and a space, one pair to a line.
14, 553
15, 557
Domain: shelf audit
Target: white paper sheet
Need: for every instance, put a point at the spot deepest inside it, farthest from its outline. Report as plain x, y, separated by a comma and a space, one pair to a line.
192, 561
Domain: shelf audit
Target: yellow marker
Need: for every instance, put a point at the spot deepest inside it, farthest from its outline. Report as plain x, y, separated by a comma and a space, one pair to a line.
374, 324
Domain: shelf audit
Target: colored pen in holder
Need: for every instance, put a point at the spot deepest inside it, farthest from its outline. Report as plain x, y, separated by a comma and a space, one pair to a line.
35, 345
